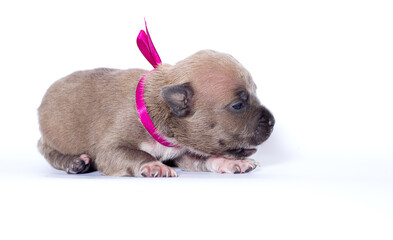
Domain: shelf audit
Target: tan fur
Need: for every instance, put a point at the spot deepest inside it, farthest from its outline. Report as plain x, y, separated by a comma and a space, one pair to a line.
93, 112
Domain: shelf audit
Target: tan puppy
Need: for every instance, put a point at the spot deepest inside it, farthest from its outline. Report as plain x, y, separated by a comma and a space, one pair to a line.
205, 104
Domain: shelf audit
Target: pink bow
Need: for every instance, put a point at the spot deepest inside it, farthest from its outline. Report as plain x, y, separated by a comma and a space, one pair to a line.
146, 46
148, 50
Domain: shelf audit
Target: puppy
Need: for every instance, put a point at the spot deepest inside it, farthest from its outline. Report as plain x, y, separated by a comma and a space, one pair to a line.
204, 109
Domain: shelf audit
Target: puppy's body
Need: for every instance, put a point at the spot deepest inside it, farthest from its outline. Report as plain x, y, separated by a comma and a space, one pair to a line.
89, 119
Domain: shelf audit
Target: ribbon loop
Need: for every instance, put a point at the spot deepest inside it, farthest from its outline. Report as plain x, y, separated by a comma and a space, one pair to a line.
146, 46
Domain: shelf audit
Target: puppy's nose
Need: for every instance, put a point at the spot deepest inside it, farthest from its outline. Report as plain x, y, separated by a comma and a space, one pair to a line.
266, 119
264, 126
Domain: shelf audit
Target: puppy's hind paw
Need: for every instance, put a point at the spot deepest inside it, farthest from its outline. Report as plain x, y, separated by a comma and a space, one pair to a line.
79, 165
157, 169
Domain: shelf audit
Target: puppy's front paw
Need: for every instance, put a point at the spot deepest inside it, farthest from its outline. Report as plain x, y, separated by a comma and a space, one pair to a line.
225, 165
157, 169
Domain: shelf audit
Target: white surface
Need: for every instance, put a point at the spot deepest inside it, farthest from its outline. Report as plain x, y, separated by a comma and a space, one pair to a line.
324, 68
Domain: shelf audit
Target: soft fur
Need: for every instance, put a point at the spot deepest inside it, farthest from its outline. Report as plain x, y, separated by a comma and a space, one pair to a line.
89, 120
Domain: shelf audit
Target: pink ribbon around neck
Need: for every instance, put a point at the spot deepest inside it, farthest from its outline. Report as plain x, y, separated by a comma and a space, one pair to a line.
148, 50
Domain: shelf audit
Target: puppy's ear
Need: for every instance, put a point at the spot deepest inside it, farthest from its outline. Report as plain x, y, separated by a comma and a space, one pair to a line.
178, 98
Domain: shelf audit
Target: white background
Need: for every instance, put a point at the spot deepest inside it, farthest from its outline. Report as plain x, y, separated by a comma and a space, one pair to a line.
324, 68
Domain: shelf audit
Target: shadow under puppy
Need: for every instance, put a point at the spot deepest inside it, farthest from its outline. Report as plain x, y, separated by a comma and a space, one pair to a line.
206, 105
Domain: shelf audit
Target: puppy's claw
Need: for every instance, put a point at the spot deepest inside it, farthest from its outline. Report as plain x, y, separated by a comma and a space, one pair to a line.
157, 169
249, 169
237, 169
156, 174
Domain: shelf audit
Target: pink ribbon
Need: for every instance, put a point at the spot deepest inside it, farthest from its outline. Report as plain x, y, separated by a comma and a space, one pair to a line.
146, 46
148, 50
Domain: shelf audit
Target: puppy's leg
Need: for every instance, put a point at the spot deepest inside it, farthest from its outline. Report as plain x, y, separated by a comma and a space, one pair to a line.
70, 163
124, 161
215, 164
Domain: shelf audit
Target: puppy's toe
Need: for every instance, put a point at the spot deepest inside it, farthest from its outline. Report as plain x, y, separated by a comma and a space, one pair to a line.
85, 158
157, 169
236, 166
79, 165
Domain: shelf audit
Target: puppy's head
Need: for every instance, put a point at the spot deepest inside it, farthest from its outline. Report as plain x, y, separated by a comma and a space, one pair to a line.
213, 106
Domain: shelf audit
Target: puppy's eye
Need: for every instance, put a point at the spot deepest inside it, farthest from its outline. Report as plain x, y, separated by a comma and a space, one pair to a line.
238, 106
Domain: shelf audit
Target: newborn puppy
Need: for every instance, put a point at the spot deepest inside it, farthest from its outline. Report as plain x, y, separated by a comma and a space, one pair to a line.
205, 106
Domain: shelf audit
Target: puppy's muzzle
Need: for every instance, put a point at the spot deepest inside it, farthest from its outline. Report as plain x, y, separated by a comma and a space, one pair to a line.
263, 125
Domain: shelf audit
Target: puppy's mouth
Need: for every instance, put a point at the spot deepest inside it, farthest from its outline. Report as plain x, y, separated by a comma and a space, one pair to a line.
241, 152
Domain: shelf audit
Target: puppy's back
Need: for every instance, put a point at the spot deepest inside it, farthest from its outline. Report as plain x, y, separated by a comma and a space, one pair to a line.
79, 107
